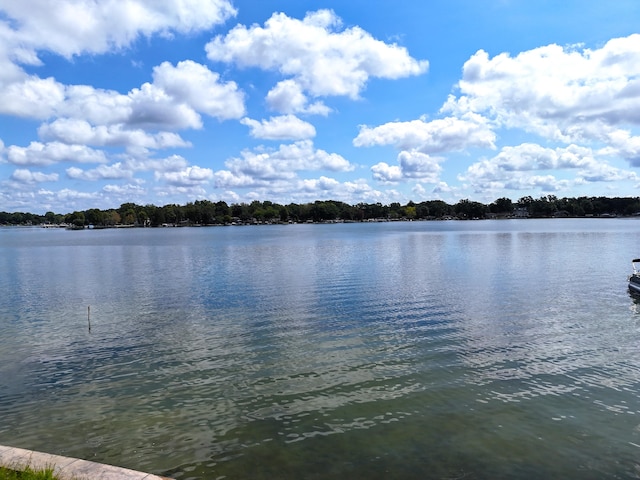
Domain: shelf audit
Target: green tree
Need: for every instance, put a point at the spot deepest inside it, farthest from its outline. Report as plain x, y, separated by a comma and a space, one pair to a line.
112, 217
76, 218
439, 208
395, 210
467, 209
129, 217
143, 218
502, 205
410, 212
323, 211
284, 213
95, 216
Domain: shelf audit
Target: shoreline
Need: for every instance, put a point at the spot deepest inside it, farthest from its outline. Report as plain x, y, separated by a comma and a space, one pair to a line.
68, 468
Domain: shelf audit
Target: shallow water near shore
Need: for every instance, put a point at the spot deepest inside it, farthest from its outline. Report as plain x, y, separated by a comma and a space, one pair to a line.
482, 349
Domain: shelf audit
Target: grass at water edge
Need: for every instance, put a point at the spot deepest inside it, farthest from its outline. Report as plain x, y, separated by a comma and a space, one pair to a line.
27, 473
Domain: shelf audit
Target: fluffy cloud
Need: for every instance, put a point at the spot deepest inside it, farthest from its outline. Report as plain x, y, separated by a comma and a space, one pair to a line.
171, 169
125, 193
174, 100
101, 172
51, 200
190, 176
72, 27
586, 101
94, 105
153, 108
621, 143
546, 183
177, 96
329, 188
285, 127
531, 157
315, 54
323, 183
419, 140
31, 97
77, 131
170, 193
437, 136
23, 175
526, 166
312, 189
411, 165
258, 168
287, 97
41, 154
100, 118
557, 92
385, 173
197, 86
173, 163
80, 117
420, 166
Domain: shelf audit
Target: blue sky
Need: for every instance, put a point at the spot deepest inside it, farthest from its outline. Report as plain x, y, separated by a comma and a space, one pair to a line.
104, 102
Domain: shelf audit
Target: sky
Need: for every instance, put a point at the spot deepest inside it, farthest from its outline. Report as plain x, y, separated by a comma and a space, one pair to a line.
104, 102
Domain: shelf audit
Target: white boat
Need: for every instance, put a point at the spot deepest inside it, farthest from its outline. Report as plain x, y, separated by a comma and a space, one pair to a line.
634, 278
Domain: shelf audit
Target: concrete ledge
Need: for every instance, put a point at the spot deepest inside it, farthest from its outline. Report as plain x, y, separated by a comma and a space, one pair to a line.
68, 468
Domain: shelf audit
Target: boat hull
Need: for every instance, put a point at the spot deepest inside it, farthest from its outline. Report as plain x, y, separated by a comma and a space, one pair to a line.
634, 283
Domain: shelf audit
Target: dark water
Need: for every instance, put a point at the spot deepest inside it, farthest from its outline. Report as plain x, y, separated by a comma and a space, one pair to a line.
476, 350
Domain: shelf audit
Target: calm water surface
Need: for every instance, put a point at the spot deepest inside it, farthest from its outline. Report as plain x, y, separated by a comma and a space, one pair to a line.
476, 350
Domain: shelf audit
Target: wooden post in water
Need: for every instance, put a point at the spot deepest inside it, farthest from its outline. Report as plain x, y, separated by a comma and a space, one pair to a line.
89, 317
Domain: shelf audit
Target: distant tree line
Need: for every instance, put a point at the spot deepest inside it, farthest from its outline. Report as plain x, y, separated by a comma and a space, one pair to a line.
204, 212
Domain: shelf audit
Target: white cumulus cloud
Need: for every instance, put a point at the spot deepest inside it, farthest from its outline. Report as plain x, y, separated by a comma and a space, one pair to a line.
288, 97
316, 53
174, 100
31, 97
189, 176
77, 131
101, 172
200, 88
561, 93
437, 136
532, 166
23, 175
42, 154
284, 127
411, 165
259, 168
73, 27
385, 173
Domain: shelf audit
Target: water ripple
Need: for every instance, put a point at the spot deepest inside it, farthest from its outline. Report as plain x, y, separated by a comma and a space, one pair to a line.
405, 351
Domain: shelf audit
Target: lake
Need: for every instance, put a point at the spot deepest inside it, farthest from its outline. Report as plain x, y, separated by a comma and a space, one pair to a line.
406, 350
